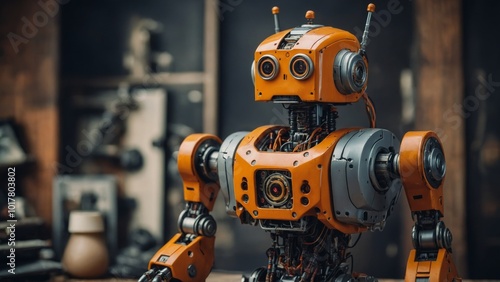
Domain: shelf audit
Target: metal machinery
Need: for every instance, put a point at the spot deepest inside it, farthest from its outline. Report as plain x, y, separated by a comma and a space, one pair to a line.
309, 184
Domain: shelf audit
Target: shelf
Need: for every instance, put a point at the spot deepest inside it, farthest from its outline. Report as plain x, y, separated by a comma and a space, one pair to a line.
149, 79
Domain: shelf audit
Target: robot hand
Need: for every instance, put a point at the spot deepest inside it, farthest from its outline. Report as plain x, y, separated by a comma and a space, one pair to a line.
189, 255
186, 257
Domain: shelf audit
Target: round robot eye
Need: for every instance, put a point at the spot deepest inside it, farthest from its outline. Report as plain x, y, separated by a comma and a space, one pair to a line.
268, 67
301, 67
350, 72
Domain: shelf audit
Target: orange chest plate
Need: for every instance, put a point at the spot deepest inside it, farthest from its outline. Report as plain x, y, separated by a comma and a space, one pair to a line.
286, 185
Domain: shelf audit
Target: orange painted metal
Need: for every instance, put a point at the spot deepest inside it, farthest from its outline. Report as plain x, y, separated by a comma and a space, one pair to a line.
196, 189
312, 165
179, 257
441, 269
321, 45
421, 195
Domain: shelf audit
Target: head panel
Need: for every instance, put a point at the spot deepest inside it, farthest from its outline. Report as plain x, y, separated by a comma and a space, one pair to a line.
308, 48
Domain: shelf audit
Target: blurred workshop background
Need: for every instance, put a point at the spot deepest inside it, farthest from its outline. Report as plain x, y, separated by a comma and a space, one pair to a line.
96, 96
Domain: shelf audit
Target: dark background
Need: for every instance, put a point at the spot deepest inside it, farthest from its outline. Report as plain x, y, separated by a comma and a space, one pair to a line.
481, 57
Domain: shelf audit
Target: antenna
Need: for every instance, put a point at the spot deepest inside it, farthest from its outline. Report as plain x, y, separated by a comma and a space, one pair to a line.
364, 41
310, 17
276, 11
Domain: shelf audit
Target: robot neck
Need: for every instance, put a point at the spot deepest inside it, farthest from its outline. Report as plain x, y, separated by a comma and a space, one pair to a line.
305, 118
309, 124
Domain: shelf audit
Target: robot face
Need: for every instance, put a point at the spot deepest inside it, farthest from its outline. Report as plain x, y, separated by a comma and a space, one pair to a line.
310, 63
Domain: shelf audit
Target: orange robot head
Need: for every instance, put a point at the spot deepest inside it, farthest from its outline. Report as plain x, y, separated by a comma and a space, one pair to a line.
311, 63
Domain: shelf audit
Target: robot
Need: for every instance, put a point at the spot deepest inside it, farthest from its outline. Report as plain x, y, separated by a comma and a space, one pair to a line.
310, 185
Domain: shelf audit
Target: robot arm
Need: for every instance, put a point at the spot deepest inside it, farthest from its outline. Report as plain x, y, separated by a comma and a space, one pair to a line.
189, 255
422, 169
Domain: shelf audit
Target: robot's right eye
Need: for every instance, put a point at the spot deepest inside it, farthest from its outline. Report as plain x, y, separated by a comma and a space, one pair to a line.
268, 67
301, 67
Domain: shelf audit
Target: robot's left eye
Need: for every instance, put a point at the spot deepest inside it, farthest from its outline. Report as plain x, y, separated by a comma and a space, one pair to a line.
301, 67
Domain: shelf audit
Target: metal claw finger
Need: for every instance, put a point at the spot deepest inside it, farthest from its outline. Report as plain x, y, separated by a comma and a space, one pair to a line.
148, 275
164, 275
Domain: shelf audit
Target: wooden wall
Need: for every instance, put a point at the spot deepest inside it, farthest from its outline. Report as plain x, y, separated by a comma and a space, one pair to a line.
440, 86
28, 92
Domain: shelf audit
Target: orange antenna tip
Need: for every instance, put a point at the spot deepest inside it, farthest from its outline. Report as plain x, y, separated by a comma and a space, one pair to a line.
310, 15
276, 10
371, 8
